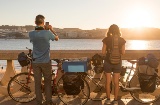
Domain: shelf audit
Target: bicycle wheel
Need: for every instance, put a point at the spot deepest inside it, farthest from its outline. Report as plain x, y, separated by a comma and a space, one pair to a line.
79, 99
144, 97
97, 86
19, 90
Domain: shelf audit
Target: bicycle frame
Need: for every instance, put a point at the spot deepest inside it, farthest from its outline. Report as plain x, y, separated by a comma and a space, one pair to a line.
94, 81
126, 85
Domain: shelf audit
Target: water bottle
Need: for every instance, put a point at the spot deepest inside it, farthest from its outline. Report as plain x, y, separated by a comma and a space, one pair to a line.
146, 60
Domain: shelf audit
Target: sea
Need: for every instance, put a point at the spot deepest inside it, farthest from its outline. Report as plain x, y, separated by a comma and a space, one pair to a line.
74, 44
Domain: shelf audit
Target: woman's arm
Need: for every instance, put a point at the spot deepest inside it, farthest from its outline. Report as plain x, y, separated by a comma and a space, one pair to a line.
104, 49
123, 49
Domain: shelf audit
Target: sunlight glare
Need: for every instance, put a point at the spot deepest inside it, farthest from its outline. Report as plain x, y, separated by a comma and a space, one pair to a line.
139, 17
138, 45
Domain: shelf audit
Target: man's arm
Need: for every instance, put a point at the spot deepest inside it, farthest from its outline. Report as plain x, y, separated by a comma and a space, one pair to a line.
56, 36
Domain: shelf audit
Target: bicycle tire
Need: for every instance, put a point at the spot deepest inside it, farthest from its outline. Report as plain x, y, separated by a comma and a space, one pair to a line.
19, 91
143, 97
97, 87
79, 99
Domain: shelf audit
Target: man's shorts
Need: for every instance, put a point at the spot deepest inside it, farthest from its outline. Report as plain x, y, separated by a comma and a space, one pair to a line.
108, 67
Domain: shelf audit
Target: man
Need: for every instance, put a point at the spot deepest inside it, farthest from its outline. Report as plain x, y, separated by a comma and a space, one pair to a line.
40, 38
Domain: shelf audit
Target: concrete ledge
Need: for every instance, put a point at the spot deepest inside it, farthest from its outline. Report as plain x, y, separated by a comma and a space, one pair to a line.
130, 54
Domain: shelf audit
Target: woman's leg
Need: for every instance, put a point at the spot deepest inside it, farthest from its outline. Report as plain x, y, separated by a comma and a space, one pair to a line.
116, 84
108, 81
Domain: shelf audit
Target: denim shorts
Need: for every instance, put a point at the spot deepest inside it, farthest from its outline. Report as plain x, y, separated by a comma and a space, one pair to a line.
108, 67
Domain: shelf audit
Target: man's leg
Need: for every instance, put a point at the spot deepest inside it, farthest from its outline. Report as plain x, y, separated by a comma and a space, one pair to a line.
37, 77
46, 69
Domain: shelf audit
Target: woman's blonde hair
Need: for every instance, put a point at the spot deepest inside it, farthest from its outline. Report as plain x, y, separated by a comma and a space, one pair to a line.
113, 30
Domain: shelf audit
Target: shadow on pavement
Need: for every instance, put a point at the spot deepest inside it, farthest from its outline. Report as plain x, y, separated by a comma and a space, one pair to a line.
134, 102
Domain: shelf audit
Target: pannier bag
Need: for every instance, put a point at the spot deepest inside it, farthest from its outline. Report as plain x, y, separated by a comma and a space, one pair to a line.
72, 83
147, 78
141, 61
152, 61
74, 66
123, 70
149, 60
97, 61
115, 55
147, 82
22, 59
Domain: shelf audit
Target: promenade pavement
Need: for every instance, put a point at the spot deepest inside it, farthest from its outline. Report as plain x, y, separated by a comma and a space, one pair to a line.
125, 100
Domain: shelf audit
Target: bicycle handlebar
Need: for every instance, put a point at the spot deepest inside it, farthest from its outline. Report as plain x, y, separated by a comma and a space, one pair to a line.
132, 61
29, 55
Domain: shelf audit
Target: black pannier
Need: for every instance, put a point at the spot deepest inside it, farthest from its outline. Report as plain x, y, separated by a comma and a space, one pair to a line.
22, 59
147, 78
72, 83
123, 70
97, 62
147, 82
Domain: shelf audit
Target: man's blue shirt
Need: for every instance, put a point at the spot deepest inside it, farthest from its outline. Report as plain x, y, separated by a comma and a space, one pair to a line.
41, 45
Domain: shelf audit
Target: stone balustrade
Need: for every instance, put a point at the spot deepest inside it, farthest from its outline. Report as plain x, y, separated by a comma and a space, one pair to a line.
11, 55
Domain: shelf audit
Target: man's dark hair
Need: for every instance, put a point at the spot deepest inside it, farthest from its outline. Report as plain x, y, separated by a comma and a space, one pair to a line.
39, 19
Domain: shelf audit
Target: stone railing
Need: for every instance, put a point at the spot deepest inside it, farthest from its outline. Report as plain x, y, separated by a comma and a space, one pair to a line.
11, 55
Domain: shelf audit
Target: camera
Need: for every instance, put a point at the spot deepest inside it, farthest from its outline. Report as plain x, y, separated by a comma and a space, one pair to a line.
47, 25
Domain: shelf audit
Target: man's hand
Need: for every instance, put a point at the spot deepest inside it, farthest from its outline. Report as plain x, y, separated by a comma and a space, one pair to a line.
50, 27
56, 38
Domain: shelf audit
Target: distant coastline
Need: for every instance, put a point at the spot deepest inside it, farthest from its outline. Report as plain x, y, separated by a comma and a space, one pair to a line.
21, 32
82, 38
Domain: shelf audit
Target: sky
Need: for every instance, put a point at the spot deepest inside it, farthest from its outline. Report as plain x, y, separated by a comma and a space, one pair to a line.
83, 14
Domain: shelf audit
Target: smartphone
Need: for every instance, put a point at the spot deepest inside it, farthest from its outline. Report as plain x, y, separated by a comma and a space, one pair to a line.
46, 25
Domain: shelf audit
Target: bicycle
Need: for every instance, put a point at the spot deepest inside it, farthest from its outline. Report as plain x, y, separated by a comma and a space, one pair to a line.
21, 86
136, 91
130, 84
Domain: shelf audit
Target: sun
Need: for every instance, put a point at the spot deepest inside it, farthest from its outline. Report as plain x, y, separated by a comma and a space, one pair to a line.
138, 17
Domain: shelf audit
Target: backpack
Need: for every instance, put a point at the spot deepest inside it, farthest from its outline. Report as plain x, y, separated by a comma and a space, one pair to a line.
22, 59
152, 61
114, 51
72, 83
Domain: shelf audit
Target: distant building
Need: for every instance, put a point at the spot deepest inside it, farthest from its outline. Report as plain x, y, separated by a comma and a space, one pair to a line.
71, 34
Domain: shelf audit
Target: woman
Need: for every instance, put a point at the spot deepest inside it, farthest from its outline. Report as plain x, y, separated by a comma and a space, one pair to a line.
108, 66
